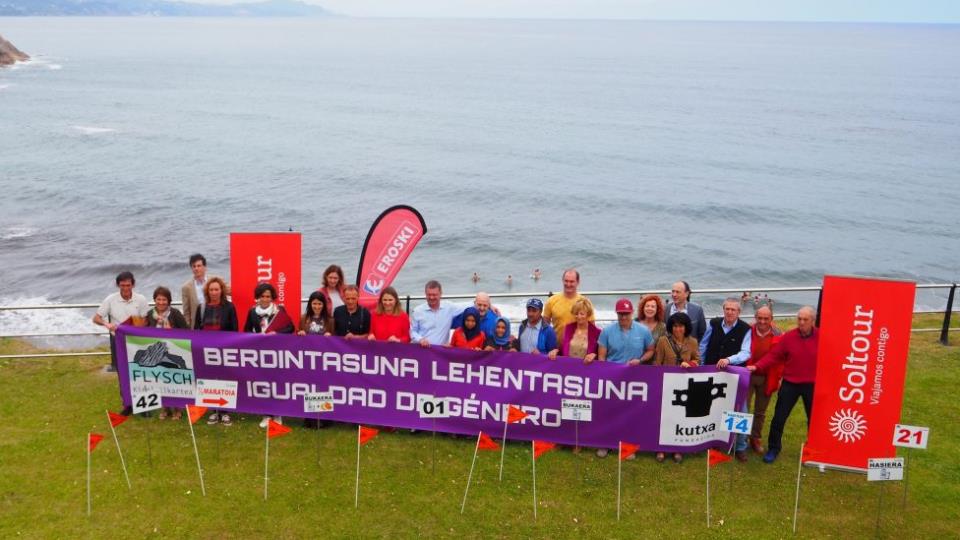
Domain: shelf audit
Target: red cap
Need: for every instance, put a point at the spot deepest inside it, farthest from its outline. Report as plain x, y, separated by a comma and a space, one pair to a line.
624, 306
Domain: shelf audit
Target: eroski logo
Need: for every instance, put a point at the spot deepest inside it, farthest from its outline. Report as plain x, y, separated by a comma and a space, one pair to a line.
376, 279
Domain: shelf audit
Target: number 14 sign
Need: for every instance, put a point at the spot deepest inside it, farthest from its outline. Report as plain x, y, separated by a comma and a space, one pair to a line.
911, 436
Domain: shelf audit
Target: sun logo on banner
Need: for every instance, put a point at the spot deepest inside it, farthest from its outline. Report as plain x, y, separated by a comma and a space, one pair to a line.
847, 425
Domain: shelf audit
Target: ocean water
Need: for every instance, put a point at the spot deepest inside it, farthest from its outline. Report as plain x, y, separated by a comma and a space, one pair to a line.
726, 154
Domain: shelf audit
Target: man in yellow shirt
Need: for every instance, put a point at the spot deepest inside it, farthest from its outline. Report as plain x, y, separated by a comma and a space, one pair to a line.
557, 311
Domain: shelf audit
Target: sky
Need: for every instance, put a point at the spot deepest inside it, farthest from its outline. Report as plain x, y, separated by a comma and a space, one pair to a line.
935, 11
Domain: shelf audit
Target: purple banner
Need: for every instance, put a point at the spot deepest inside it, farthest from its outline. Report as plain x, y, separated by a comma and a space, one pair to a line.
377, 383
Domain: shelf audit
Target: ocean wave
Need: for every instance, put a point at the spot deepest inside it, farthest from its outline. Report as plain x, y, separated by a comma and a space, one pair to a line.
48, 321
16, 233
4, 86
94, 130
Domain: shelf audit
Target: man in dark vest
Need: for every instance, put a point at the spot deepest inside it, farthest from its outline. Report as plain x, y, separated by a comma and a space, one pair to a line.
727, 341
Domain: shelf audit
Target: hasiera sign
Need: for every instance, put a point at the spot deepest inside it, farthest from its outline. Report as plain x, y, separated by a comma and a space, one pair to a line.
861, 366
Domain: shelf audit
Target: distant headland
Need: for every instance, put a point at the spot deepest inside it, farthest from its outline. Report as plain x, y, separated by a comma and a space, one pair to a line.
10, 54
157, 8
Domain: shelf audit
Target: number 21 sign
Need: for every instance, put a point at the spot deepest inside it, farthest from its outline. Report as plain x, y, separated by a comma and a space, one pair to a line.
911, 436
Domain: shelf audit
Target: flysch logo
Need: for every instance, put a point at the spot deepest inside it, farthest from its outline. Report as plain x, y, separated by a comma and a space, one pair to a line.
692, 405
848, 425
160, 365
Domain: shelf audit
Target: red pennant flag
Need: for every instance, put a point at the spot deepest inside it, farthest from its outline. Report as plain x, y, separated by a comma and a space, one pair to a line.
809, 454
116, 419
714, 457
195, 413
542, 447
486, 443
93, 440
627, 450
276, 430
515, 415
367, 433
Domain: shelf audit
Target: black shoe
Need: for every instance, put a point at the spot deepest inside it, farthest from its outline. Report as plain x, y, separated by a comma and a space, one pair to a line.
127, 411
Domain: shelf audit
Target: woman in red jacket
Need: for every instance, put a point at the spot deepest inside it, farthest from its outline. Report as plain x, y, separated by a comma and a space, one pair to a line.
388, 322
469, 335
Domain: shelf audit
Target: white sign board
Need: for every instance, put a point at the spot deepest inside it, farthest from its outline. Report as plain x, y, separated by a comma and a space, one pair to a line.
318, 402
580, 410
737, 422
216, 394
432, 406
911, 436
147, 400
881, 469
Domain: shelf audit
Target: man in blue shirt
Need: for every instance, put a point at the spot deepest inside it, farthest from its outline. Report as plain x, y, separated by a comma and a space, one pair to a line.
430, 323
625, 341
536, 336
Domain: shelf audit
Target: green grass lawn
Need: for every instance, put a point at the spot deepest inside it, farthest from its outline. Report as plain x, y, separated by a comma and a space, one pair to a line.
49, 405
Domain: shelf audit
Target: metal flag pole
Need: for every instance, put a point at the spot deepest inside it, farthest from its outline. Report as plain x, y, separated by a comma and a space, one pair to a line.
905, 477
708, 488
266, 462
87, 444
356, 497
533, 461
876, 533
619, 475
149, 445
576, 447
503, 443
796, 500
196, 452
470, 476
120, 452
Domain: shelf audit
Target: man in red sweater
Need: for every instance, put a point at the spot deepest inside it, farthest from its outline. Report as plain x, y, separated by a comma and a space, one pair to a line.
797, 352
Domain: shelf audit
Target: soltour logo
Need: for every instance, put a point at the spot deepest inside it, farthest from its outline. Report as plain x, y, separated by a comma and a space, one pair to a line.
848, 425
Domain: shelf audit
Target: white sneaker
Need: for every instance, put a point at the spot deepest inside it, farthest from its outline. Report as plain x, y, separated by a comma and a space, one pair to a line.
225, 420
278, 419
264, 421
213, 419
602, 452
631, 457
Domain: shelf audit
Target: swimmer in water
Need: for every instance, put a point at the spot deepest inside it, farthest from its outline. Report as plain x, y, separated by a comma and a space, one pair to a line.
475, 278
536, 274
509, 280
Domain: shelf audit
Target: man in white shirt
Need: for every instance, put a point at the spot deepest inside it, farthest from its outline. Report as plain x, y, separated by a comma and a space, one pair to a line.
117, 308
430, 322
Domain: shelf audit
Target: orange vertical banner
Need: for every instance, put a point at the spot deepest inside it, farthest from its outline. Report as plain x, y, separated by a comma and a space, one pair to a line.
861, 367
271, 257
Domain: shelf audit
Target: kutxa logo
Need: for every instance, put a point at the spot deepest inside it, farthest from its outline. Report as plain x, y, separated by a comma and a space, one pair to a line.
157, 355
699, 396
392, 252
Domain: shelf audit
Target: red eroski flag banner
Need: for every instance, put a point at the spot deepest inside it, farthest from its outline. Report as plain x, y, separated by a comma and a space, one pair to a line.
390, 241
861, 367
269, 257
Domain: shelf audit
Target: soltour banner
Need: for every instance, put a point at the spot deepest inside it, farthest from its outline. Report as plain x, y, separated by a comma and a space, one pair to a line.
861, 366
270, 257
390, 241
371, 382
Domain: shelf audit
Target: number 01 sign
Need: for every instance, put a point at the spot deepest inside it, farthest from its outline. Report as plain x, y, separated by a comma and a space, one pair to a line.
911, 436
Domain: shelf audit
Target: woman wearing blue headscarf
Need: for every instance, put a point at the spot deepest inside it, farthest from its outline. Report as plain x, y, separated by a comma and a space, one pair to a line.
469, 335
501, 340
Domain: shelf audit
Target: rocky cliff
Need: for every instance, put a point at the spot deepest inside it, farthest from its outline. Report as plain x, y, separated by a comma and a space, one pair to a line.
10, 54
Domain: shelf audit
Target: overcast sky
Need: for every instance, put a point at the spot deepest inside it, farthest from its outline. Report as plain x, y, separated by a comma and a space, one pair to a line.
946, 11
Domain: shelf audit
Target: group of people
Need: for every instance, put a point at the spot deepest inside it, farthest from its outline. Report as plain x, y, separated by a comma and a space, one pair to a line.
675, 333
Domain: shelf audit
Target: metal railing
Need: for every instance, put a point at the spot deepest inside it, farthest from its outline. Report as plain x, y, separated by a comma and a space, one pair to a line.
719, 292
